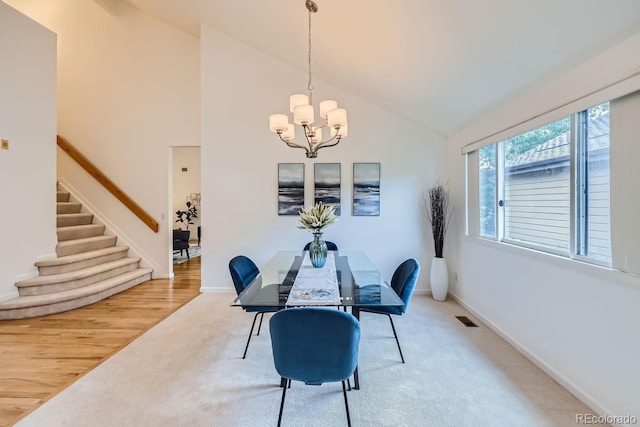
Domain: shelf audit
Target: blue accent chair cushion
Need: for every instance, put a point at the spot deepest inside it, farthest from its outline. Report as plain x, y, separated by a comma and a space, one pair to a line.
403, 282
243, 271
314, 345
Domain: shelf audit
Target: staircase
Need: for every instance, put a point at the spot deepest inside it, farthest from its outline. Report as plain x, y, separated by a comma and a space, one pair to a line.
89, 267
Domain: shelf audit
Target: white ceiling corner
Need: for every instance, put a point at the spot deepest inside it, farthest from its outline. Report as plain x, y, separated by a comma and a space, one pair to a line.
109, 6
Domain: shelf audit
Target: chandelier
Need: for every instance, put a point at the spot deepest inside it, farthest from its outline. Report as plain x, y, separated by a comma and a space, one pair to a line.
301, 105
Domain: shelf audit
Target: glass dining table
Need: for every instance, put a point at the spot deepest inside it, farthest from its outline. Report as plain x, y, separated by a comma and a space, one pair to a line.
360, 284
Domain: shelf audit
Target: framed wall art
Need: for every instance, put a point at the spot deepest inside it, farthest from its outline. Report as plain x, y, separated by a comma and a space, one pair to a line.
366, 189
327, 185
290, 188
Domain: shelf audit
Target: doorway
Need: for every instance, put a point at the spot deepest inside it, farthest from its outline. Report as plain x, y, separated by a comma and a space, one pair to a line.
185, 201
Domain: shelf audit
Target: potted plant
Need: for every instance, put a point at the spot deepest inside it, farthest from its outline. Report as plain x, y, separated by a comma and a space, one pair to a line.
185, 218
439, 218
316, 219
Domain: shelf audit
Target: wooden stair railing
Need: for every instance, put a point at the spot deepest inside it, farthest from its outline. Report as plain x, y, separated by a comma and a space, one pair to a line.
107, 183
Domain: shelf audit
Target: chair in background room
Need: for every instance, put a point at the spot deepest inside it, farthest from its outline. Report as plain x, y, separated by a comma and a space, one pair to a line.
403, 282
243, 271
330, 246
314, 345
181, 241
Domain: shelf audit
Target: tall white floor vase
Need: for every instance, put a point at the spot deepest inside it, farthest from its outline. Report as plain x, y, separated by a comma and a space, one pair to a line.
439, 278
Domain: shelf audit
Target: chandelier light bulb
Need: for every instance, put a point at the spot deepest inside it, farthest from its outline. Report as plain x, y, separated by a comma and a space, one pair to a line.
341, 132
317, 135
297, 99
278, 122
290, 133
337, 117
303, 114
326, 106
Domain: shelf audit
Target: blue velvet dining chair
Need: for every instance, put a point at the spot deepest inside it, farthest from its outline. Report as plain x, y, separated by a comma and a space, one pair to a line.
330, 246
314, 345
243, 271
403, 283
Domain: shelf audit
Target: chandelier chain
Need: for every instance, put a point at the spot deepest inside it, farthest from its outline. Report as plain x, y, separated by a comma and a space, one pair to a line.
309, 85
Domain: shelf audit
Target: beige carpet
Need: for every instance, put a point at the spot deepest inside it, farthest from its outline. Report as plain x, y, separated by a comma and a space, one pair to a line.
188, 371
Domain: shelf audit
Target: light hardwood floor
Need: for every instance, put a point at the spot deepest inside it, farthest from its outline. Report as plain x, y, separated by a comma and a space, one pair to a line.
42, 356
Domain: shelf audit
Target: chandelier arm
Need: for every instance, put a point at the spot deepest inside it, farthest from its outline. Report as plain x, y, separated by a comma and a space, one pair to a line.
310, 144
292, 144
324, 144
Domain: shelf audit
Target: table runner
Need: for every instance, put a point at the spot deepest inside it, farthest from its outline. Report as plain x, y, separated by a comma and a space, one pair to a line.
315, 286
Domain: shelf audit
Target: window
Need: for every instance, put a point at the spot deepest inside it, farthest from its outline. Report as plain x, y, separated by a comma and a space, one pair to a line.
549, 188
593, 197
537, 191
488, 202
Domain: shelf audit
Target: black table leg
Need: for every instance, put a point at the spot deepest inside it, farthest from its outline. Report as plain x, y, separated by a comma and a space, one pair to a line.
356, 382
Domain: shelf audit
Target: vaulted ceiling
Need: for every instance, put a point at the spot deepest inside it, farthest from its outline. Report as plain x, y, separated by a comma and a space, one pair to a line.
441, 63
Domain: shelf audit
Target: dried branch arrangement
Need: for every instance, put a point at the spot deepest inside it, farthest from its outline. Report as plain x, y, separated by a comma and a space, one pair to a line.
438, 215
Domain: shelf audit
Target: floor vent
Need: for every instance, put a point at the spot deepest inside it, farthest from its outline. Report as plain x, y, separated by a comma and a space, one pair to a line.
466, 321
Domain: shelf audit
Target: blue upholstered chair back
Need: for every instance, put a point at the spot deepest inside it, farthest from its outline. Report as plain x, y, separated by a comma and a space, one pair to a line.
404, 280
330, 246
243, 271
314, 345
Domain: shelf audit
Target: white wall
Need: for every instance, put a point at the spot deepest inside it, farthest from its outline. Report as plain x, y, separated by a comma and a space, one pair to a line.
581, 323
185, 183
27, 169
240, 88
128, 89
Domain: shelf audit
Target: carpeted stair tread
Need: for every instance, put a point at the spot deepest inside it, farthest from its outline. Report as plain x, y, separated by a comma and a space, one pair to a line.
78, 274
81, 256
93, 239
66, 220
62, 196
39, 300
68, 207
81, 260
73, 232
86, 244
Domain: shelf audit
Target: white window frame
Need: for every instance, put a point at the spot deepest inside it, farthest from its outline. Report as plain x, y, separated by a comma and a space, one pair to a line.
577, 175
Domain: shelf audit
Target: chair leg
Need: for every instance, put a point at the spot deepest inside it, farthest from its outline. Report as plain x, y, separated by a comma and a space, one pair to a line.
284, 393
346, 404
187, 253
260, 324
250, 333
396, 335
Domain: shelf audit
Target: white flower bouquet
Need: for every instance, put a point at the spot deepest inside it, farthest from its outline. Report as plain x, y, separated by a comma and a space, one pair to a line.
317, 218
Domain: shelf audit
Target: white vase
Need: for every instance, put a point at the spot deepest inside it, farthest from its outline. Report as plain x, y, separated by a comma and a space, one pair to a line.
439, 278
